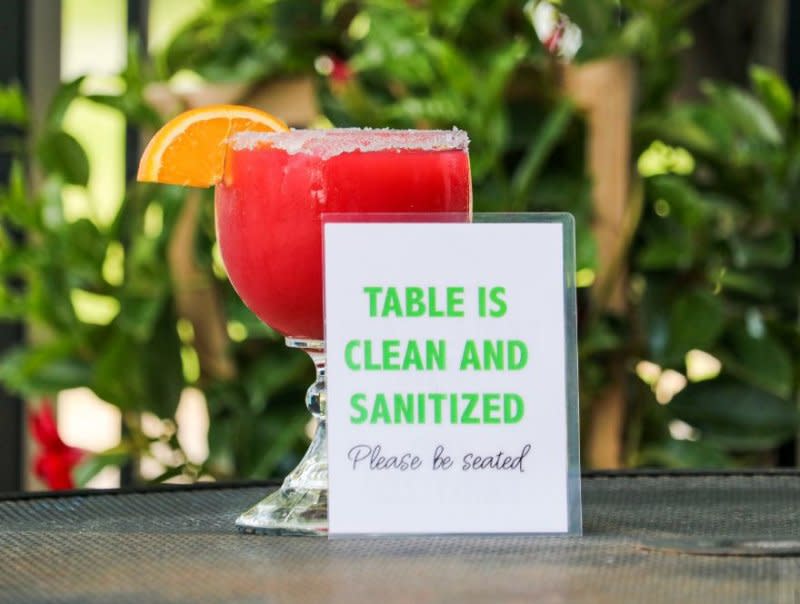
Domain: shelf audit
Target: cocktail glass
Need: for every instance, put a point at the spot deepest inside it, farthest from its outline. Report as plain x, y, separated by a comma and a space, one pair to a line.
269, 227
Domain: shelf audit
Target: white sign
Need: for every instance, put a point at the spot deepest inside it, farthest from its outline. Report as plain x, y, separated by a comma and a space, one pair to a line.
448, 375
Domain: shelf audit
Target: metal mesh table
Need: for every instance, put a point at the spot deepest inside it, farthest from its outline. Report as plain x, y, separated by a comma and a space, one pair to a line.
648, 538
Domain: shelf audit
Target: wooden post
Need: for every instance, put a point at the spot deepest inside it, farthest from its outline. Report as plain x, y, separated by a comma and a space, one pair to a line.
294, 100
37, 31
196, 296
604, 91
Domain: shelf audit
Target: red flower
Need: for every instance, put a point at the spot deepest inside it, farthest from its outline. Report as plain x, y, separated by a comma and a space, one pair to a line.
55, 460
341, 73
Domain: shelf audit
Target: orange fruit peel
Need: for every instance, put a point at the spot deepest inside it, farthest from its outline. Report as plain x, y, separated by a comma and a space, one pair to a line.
191, 149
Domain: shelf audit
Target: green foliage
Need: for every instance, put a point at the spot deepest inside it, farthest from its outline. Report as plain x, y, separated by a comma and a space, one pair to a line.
712, 256
250, 40
12, 106
653, 32
125, 345
716, 252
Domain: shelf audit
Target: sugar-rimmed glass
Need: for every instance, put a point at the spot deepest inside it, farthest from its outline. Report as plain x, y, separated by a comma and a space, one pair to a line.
268, 217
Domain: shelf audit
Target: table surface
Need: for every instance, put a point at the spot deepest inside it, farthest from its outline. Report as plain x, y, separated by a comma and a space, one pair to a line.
648, 538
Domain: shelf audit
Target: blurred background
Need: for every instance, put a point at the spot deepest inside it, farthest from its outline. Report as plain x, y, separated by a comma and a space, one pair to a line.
668, 128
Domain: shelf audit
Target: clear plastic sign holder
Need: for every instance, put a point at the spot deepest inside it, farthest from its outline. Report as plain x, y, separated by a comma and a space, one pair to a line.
346, 498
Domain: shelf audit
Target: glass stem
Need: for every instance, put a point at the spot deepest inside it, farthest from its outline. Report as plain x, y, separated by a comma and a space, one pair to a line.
312, 471
300, 506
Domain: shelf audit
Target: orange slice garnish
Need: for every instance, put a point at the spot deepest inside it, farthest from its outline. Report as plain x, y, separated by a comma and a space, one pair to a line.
190, 149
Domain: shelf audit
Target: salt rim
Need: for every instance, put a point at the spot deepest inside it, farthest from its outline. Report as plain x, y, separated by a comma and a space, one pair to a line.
335, 141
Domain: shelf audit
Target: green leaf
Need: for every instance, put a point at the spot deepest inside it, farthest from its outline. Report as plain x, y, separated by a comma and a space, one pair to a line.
671, 250
287, 437
452, 13
758, 286
683, 454
13, 109
85, 246
685, 203
775, 250
162, 369
599, 337
132, 106
96, 463
221, 460
330, 8
117, 376
266, 377
297, 17
595, 19
14, 201
773, 92
43, 369
696, 320
735, 415
454, 67
139, 313
538, 151
761, 361
51, 206
695, 127
585, 245
60, 153
235, 310
502, 66
744, 111
141, 375
63, 98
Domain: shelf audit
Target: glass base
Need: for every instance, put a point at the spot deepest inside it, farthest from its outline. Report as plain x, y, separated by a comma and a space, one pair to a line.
300, 506
288, 512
